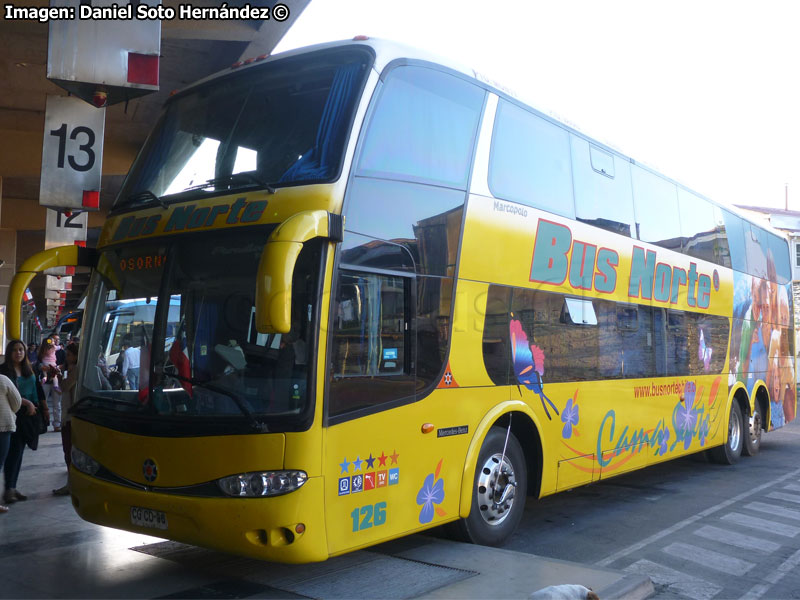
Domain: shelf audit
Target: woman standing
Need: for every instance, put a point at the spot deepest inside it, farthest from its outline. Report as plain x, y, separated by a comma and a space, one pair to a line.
10, 402
18, 370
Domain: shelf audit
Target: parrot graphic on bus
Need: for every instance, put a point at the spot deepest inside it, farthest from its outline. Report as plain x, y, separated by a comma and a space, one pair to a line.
528, 364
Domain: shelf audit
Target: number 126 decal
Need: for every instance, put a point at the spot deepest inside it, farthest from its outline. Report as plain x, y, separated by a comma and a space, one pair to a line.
370, 515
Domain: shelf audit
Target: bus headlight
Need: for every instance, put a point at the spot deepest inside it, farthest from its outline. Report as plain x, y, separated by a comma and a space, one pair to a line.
263, 483
84, 462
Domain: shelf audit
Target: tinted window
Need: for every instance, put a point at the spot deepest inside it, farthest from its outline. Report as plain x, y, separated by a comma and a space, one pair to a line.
755, 244
423, 218
702, 229
283, 122
601, 200
569, 350
423, 128
735, 228
627, 341
602, 161
362, 251
371, 353
707, 338
496, 349
434, 299
638, 350
677, 350
656, 203
779, 253
530, 161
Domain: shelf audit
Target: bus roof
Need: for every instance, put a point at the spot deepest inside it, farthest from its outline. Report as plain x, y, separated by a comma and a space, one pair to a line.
387, 51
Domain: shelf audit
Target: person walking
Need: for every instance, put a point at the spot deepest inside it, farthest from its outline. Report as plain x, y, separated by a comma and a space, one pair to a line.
130, 362
48, 367
18, 377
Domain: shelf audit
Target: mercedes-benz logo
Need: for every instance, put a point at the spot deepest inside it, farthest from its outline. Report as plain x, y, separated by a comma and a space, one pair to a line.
150, 470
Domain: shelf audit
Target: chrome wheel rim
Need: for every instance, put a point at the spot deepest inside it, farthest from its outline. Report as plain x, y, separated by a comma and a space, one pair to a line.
755, 428
735, 432
496, 489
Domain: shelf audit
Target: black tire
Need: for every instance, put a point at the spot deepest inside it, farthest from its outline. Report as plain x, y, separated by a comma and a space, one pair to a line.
752, 437
489, 524
731, 450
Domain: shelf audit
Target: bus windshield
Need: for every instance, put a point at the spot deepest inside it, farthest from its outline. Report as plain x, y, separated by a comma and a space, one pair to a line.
183, 311
279, 124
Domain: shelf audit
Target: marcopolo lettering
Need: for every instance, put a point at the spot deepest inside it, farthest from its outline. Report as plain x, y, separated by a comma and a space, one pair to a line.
510, 208
187, 217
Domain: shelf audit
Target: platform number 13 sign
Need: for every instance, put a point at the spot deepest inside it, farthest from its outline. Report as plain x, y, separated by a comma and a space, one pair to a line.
71, 154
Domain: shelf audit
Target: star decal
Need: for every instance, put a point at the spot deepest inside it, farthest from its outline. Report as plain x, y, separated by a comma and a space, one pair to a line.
357, 463
345, 465
394, 456
382, 460
370, 461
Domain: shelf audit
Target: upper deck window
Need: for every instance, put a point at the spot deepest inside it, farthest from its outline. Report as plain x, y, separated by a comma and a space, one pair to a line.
423, 128
603, 192
655, 202
530, 161
280, 124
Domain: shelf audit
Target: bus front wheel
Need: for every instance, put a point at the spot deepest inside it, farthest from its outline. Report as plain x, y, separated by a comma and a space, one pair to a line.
499, 490
729, 453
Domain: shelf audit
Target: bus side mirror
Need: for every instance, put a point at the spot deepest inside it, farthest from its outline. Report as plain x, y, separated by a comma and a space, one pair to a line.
61, 256
278, 260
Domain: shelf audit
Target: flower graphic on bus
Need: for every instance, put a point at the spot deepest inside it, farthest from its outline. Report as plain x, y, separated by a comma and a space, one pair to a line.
570, 417
663, 438
685, 417
528, 363
431, 494
703, 431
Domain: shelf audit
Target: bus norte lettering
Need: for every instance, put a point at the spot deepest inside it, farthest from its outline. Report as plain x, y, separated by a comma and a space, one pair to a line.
188, 216
556, 258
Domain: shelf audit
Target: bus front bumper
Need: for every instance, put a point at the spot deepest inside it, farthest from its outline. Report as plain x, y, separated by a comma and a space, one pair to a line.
287, 529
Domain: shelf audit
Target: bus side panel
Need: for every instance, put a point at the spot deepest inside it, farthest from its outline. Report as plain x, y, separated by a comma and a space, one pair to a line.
762, 343
648, 364
385, 477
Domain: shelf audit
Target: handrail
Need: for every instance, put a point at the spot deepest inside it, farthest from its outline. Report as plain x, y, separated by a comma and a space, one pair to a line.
60, 256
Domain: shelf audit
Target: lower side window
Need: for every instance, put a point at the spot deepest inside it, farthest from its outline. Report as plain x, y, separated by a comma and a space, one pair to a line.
371, 349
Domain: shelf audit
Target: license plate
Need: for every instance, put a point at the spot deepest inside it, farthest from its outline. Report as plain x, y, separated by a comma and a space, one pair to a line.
146, 517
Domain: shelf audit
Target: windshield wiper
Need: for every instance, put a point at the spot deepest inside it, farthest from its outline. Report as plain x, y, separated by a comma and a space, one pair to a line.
257, 425
111, 401
147, 195
233, 178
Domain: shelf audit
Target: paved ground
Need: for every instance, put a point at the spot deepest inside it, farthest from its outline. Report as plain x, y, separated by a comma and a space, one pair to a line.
47, 551
698, 530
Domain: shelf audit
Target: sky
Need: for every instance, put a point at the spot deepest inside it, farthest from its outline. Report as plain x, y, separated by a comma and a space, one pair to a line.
705, 91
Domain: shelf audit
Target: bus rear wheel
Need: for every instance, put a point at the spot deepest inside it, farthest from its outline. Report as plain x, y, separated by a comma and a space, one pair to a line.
499, 490
752, 440
731, 450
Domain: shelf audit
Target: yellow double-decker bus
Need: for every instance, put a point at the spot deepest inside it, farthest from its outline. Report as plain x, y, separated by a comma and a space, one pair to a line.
387, 295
